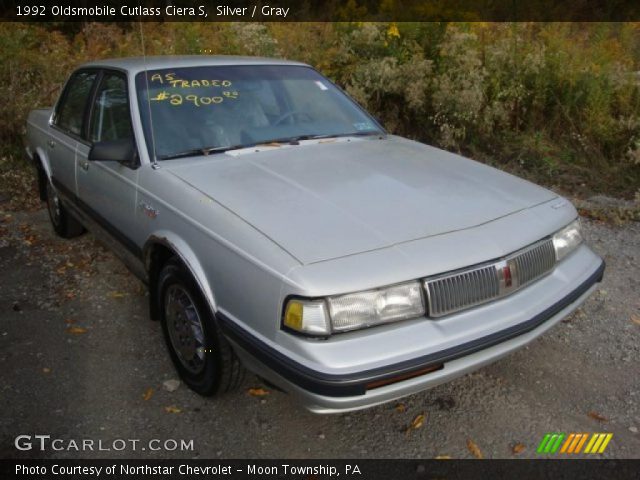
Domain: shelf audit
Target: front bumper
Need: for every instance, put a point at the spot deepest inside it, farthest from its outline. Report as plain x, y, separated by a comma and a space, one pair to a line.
327, 392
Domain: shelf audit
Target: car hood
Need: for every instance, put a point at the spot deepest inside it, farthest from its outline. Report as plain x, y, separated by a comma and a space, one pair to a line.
324, 200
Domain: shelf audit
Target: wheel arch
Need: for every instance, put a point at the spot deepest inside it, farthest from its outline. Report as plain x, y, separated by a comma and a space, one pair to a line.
160, 247
43, 170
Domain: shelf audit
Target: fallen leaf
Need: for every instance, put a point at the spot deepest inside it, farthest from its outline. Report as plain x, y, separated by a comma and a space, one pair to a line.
635, 318
172, 409
70, 295
76, 330
258, 392
116, 294
69, 321
474, 449
518, 448
46, 370
417, 423
147, 394
597, 416
171, 385
400, 407
442, 457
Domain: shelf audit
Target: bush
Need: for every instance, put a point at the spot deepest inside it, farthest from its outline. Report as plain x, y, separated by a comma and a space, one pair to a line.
557, 102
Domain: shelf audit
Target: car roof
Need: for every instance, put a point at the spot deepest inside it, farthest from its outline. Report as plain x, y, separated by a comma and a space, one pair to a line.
137, 64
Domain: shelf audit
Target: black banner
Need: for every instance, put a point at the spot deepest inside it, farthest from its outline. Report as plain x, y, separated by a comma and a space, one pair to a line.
317, 469
328, 10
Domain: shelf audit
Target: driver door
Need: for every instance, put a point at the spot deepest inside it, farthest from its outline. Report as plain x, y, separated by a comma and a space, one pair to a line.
107, 190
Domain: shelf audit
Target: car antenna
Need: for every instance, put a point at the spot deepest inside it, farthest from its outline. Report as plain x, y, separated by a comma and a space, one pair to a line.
154, 161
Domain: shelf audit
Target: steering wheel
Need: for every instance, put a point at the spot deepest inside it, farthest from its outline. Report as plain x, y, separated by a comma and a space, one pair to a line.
291, 114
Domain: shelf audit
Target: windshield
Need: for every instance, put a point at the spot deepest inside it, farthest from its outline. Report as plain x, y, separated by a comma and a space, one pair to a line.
196, 110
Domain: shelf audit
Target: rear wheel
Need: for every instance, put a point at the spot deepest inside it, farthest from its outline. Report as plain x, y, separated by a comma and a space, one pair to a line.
202, 356
63, 222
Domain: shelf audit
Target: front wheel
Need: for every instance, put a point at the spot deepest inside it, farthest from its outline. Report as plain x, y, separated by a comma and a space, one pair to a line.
64, 224
202, 356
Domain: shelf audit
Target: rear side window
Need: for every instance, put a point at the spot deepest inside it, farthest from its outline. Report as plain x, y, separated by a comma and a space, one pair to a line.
111, 119
70, 112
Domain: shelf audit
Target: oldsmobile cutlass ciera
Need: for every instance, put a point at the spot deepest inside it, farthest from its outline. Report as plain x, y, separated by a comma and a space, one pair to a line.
280, 228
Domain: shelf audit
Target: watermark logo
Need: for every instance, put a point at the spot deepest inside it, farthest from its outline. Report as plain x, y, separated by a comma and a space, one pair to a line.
46, 442
574, 443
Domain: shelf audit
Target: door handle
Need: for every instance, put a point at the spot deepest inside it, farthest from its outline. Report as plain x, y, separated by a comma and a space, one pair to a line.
51, 144
84, 164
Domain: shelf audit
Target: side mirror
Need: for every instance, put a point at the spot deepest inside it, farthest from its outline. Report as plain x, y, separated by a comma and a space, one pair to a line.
122, 150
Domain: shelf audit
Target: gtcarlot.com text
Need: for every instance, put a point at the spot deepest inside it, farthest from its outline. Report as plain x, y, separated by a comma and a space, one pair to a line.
46, 443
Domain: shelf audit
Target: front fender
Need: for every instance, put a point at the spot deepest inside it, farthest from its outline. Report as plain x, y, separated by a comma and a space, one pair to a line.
183, 251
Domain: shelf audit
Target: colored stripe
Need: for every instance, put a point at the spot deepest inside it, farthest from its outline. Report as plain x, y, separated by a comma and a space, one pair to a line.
596, 446
572, 443
576, 439
567, 442
582, 440
550, 443
591, 442
605, 443
543, 443
555, 447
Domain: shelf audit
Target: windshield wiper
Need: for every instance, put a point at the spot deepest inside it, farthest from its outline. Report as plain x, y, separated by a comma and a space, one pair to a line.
297, 138
201, 151
290, 140
369, 133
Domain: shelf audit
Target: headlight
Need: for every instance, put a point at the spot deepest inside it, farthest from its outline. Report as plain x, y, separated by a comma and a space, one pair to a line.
374, 307
567, 240
355, 310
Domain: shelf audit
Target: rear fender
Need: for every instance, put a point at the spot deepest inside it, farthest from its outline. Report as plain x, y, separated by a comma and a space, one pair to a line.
40, 160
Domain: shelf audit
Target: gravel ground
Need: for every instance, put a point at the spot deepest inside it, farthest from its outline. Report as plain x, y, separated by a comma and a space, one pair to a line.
80, 359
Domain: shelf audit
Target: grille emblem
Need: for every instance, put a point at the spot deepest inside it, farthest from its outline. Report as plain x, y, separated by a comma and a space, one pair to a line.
506, 273
507, 276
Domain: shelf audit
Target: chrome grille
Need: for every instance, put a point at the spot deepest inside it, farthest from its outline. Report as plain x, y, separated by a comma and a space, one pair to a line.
463, 289
534, 262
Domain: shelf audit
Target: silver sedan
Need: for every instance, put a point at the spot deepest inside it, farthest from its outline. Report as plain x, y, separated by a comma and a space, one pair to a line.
280, 228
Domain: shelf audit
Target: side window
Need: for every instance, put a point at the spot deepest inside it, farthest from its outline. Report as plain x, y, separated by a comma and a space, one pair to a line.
110, 118
70, 112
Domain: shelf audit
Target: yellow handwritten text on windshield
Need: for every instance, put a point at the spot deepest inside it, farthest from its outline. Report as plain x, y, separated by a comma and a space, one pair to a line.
197, 100
174, 93
170, 79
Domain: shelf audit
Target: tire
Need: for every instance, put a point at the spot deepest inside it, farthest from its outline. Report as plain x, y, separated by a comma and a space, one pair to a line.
202, 356
63, 222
